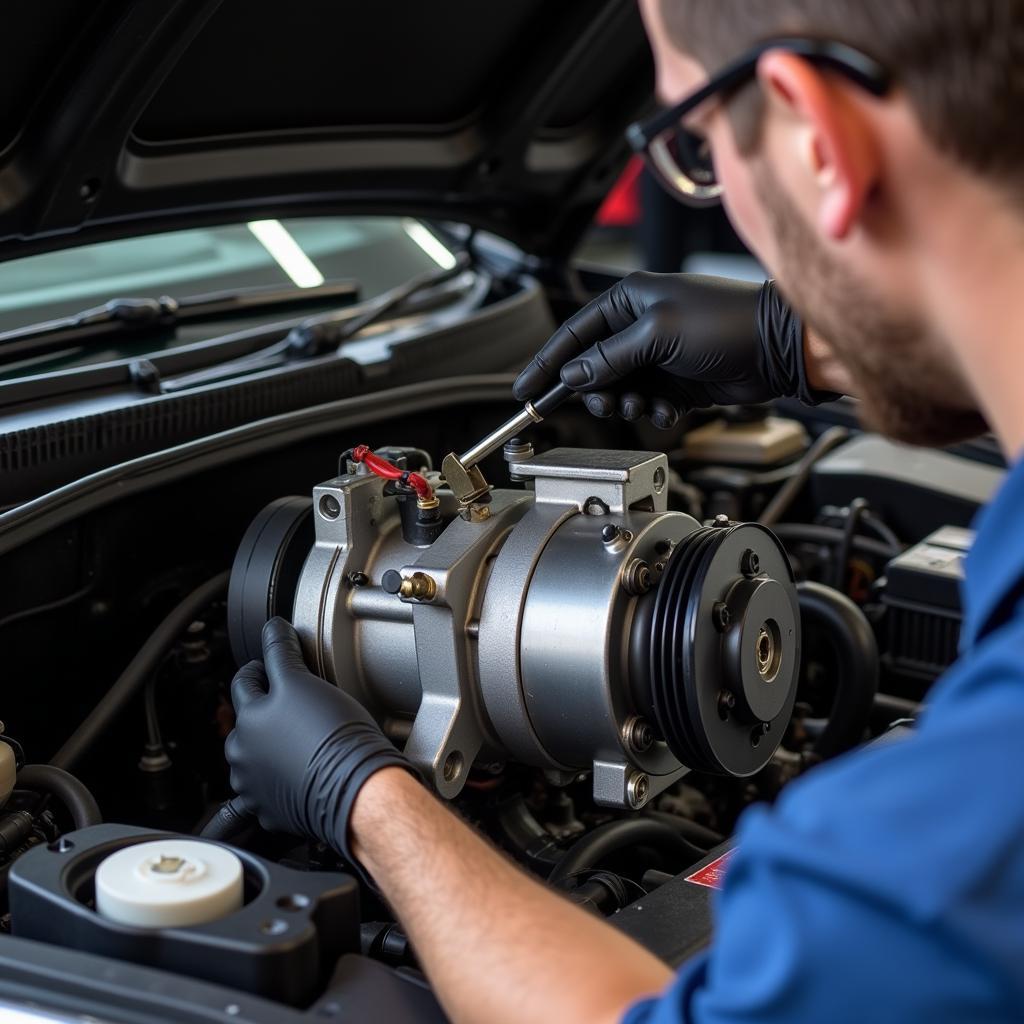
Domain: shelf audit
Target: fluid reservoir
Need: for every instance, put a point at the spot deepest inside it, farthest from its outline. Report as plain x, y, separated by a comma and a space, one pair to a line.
169, 883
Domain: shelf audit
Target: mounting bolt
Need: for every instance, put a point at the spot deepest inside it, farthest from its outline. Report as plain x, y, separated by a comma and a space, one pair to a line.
726, 702
721, 616
720, 521
638, 734
638, 788
609, 533
516, 450
636, 577
750, 564
595, 507
358, 579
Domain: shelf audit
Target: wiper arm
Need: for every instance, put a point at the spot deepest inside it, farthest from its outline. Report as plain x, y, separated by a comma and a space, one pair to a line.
319, 334
322, 333
132, 316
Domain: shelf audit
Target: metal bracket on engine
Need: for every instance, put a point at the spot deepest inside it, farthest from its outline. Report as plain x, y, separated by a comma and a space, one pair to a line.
618, 480
446, 734
617, 784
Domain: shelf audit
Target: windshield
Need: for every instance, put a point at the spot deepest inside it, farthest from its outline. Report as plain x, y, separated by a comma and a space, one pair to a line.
378, 252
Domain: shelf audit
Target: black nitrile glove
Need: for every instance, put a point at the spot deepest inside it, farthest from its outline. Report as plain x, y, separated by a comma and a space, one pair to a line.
301, 748
660, 344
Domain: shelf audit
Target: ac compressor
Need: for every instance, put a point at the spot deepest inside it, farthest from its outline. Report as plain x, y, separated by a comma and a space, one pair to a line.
572, 623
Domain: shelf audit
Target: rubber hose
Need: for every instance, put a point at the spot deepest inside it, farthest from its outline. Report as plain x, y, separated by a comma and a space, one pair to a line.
141, 667
692, 831
897, 707
849, 529
812, 533
856, 656
586, 853
887, 709
229, 822
790, 490
73, 794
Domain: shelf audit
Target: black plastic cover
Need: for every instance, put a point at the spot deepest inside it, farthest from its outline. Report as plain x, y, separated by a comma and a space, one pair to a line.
915, 490
283, 944
65, 980
674, 922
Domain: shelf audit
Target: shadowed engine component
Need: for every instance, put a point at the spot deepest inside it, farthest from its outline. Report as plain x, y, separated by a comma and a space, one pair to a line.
575, 625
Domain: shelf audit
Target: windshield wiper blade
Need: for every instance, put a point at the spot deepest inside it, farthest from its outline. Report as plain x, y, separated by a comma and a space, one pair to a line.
131, 316
322, 333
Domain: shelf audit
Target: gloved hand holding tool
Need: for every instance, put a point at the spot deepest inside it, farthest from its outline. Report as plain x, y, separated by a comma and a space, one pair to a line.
661, 344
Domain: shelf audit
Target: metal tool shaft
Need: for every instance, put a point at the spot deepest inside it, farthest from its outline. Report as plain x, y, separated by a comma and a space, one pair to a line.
534, 412
496, 438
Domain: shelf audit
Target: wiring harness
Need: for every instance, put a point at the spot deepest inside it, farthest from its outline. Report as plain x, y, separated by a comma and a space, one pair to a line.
381, 467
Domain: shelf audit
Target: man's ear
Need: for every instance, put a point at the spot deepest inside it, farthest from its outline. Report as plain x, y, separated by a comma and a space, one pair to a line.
829, 135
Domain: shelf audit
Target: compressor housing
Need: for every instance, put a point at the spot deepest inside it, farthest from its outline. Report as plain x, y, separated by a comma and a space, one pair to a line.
574, 624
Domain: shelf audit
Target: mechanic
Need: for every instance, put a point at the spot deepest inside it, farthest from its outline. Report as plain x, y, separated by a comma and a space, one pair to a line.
872, 158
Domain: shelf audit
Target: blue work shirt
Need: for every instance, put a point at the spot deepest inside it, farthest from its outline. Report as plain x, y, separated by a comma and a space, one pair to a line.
888, 885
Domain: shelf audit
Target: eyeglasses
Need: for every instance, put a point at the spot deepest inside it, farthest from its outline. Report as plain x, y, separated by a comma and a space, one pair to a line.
681, 159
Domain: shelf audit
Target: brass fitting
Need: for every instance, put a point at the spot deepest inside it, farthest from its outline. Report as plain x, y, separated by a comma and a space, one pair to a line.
418, 586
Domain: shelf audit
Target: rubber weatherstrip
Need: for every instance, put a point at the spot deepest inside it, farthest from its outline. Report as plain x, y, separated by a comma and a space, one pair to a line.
49, 511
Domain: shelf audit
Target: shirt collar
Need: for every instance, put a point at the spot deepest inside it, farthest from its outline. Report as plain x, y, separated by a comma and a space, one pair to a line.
995, 563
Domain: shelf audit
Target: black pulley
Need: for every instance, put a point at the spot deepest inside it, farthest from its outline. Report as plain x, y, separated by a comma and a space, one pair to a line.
715, 649
265, 573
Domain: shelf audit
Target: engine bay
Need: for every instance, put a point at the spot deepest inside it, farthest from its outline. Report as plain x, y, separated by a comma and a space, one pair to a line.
600, 664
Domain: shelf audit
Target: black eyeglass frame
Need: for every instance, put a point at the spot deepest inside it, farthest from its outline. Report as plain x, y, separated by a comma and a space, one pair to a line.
855, 65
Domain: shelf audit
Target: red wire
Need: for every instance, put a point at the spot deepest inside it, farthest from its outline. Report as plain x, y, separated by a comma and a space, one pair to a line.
382, 468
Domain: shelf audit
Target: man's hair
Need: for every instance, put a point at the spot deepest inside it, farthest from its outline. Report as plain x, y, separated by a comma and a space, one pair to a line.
961, 62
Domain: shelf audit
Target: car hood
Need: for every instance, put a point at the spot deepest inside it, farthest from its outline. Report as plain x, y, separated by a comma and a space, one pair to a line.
129, 116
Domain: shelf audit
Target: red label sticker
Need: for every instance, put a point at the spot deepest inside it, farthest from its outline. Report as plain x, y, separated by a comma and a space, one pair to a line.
712, 875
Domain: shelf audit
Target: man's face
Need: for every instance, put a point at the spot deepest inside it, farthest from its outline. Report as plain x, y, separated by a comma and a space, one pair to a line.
903, 373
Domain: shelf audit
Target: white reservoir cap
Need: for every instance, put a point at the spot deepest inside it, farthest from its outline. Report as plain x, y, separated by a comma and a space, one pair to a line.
169, 883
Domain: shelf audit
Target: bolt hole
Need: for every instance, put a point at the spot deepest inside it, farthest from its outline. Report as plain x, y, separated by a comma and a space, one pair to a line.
453, 765
755, 735
275, 926
659, 480
293, 901
330, 507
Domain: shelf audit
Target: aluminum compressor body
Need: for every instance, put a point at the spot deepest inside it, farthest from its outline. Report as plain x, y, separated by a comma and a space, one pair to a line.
573, 624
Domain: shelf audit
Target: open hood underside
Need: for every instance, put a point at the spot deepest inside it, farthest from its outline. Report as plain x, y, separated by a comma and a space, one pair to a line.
127, 116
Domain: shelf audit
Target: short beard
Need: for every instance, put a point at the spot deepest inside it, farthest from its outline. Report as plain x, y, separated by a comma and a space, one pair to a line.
905, 379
